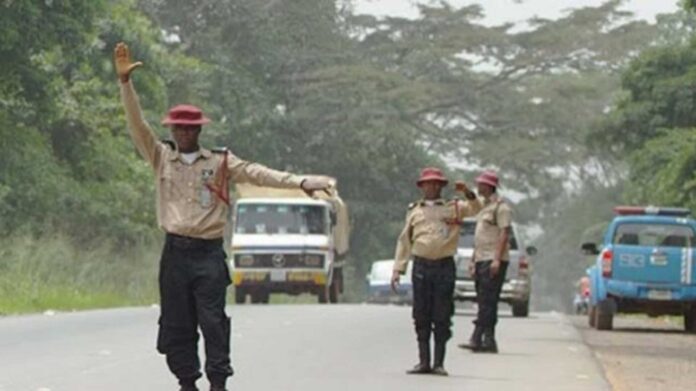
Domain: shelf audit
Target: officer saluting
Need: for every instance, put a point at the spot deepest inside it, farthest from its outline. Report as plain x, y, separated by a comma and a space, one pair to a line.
192, 206
430, 236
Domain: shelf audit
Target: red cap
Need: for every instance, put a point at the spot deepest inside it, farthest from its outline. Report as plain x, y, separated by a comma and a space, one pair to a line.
432, 174
489, 178
185, 115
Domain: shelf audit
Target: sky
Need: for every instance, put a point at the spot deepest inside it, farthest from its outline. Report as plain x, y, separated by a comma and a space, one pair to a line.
504, 11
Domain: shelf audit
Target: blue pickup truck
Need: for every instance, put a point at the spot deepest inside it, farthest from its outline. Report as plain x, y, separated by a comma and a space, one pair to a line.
644, 265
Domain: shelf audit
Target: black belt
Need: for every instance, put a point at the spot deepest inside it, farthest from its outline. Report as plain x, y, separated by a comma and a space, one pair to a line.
189, 242
441, 262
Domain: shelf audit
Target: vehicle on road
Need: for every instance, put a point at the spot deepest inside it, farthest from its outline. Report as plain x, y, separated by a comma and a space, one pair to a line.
644, 265
284, 241
517, 287
379, 284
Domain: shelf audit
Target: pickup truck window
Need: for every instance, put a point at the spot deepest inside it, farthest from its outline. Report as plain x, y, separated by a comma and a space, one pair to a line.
654, 235
466, 236
281, 219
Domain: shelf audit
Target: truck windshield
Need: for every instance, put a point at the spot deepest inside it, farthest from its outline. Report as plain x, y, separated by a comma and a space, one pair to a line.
654, 235
466, 236
281, 219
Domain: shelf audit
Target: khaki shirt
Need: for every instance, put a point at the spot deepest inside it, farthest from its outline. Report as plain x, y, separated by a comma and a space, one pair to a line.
185, 204
428, 234
489, 228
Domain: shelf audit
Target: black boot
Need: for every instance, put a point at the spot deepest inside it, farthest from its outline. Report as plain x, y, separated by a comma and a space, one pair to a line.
188, 385
489, 345
423, 366
439, 365
475, 340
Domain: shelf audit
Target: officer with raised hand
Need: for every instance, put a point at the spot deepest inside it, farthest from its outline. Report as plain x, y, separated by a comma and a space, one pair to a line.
192, 205
430, 236
490, 261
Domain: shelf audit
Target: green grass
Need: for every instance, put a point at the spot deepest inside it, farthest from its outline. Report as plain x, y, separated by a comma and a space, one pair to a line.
38, 274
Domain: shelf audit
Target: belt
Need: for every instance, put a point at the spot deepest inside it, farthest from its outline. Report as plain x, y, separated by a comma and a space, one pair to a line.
441, 262
189, 242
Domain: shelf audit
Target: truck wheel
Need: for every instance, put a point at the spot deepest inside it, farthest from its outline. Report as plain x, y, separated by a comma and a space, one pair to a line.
239, 295
520, 309
592, 316
605, 315
322, 294
690, 320
334, 292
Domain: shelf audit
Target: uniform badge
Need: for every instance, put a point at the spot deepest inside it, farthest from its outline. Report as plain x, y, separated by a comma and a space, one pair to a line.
205, 198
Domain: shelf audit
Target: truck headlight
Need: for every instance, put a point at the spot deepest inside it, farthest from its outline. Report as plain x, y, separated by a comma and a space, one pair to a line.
312, 260
246, 260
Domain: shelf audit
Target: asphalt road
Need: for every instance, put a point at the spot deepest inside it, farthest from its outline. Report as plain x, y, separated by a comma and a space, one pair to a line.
644, 354
292, 347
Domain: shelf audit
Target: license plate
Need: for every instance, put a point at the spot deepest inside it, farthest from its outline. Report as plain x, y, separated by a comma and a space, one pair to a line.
659, 260
278, 275
659, 294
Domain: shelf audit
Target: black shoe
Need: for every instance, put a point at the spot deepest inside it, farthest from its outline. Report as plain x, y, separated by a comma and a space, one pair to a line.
188, 388
470, 346
214, 388
420, 369
488, 347
439, 371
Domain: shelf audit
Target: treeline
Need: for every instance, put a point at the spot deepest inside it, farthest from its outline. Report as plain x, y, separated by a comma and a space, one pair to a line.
307, 86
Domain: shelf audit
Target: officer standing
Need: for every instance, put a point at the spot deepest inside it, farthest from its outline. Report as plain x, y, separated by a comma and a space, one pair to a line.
430, 235
192, 206
490, 262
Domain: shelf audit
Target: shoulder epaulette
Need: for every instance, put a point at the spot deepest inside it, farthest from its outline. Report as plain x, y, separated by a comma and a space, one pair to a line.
219, 150
169, 143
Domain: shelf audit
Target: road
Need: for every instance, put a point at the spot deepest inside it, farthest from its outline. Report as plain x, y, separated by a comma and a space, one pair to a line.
644, 354
292, 347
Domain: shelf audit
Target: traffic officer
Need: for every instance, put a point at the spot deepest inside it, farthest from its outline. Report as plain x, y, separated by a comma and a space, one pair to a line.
430, 235
192, 206
490, 261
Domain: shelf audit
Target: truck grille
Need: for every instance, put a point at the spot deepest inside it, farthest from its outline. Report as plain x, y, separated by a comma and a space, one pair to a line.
279, 261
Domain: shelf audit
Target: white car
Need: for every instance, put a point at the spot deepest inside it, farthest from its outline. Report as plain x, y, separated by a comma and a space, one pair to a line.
379, 284
517, 287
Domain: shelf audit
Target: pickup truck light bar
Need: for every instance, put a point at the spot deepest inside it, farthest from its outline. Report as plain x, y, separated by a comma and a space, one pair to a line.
651, 210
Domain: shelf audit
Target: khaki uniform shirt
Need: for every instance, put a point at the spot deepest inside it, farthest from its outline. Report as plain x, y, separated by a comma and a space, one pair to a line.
490, 227
428, 233
185, 204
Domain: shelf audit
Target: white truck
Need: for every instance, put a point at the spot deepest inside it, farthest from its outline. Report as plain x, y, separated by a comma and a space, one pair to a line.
284, 241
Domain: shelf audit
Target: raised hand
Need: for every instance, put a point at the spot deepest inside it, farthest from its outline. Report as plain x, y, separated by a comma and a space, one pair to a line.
122, 62
315, 183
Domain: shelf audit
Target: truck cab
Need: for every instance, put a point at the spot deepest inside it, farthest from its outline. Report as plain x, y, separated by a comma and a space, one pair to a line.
644, 265
285, 242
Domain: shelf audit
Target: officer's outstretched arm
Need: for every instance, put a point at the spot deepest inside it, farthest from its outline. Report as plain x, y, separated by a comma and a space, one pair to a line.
143, 137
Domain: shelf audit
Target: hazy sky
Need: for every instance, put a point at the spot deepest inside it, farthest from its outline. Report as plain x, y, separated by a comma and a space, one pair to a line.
501, 11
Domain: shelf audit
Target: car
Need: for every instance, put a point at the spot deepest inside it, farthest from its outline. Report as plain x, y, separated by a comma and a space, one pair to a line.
645, 264
517, 287
379, 284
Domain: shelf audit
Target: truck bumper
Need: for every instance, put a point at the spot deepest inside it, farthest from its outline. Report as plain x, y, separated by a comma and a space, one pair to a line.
280, 282
652, 292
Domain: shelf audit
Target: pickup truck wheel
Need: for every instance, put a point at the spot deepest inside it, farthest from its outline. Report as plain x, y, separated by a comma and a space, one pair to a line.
260, 297
605, 316
520, 309
690, 320
239, 295
592, 316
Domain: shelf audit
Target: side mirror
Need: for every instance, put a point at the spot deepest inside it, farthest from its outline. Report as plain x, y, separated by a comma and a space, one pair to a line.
531, 251
590, 249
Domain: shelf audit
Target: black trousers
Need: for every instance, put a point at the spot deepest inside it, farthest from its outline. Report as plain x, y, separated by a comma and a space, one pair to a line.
488, 293
433, 302
193, 281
